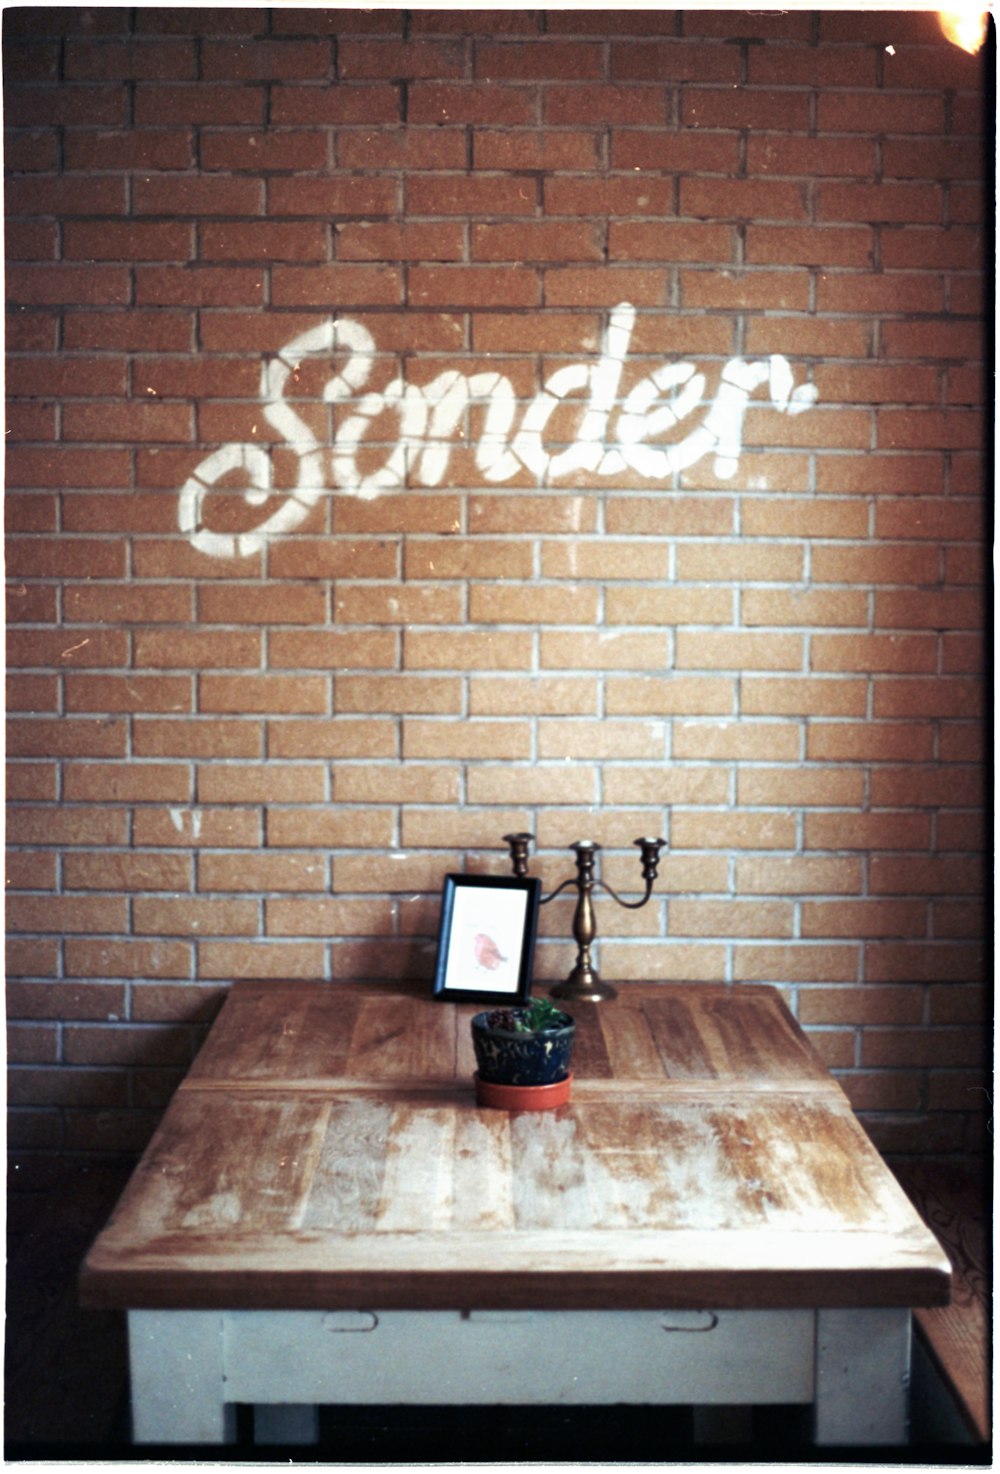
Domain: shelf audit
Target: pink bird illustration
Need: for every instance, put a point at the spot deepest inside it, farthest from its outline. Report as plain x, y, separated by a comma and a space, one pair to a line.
487, 953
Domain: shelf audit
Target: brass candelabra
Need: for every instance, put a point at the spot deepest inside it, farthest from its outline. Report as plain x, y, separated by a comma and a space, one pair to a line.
583, 983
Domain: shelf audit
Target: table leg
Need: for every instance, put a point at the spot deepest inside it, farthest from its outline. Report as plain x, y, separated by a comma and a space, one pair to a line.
176, 1369
285, 1422
862, 1376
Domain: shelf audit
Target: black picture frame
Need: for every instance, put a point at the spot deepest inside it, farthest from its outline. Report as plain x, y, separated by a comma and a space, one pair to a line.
486, 940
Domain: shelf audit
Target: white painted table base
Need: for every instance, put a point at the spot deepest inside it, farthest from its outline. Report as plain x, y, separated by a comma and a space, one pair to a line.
190, 1368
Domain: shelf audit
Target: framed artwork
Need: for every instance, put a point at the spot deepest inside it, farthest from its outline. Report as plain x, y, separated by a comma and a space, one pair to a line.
486, 943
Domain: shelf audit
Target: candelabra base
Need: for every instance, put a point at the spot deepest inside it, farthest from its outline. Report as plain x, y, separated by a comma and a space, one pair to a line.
584, 988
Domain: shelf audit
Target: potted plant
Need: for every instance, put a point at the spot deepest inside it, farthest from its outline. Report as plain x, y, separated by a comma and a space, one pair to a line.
523, 1056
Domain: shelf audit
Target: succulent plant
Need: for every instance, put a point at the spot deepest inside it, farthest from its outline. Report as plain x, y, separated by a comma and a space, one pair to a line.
539, 1015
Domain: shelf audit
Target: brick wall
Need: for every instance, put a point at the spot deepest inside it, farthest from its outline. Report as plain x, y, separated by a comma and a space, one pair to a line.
608, 389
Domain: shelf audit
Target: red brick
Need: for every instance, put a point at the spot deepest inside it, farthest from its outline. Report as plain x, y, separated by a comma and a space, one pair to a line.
109, 60
906, 696
900, 653
144, 420
263, 694
536, 241
730, 919
61, 284
670, 242
907, 203
395, 59
295, 22
318, 286
816, 609
332, 829
929, 158
930, 518
173, 194
889, 563
544, 61
407, 148
809, 246
26, 106
187, 828
859, 918
264, 873
874, 112
86, 693
792, 335
123, 1044
854, 831
198, 286
474, 286
177, 737
397, 693
394, 604
836, 741
32, 240
30, 332
956, 783
65, 1000
40, 558
590, 103
130, 148
65, 195
530, 149
741, 108
35, 694
676, 61
956, 248
754, 199
262, 150
812, 66
760, 696
252, 240
881, 292
299, 60
475, 194
271, 783
32, 1044
345, 195
101, 738
34, 781
34, 150
130, 332
792, 518
32, 957
405, 242
196, 649
132, 870
498, 22
457, 103
51, 647
63, 914
583, 195
193, 103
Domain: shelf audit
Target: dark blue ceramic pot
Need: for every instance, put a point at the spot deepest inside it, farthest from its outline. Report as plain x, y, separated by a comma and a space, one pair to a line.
507, 1057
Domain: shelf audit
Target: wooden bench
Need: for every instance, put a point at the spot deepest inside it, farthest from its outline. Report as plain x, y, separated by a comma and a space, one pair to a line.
952, 1202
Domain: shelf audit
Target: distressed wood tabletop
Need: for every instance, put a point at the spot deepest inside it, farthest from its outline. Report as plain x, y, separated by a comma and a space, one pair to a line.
326, 1151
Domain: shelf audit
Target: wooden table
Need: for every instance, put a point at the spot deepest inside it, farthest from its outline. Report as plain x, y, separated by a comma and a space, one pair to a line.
325, 1216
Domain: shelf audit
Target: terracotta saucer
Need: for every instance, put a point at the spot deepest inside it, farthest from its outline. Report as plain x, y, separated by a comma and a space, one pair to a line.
522, 1097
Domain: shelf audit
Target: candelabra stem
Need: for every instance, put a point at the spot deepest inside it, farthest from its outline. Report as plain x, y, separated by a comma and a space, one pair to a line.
583, 984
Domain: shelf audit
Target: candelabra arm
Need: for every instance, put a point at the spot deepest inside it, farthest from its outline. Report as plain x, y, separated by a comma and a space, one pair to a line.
558, 891
629, 905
